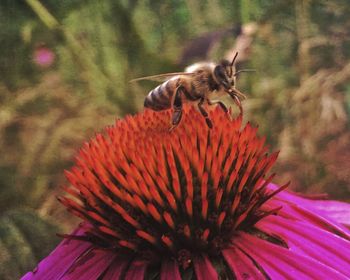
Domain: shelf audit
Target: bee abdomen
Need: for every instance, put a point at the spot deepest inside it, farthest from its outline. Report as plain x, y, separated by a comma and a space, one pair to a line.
160, 98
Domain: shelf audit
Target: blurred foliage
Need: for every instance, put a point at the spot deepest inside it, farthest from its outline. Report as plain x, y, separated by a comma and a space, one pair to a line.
299, 96
25, 239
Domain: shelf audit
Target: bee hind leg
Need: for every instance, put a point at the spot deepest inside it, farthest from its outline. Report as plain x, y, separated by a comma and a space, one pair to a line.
204, 113
177, 106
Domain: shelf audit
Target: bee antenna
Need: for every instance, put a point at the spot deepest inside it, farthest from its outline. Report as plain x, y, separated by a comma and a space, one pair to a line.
243, 70
233, 60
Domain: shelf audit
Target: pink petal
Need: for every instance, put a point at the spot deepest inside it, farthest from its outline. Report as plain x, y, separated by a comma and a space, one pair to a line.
298, 212
204, 269
136, 270
338, 211
116, 269
90, 265
282, 263
61, 259
313, 242
170, 270
242, 267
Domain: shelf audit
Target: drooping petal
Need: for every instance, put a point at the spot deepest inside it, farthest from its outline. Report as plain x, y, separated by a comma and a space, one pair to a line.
137, 270
90, 265
116, 268
170, 270
204, 269
313, 242
242, 267
302, 212
282, 263
336, 210
61, 259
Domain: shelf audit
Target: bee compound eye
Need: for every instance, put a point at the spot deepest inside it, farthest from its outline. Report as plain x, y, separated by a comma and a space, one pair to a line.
219, 72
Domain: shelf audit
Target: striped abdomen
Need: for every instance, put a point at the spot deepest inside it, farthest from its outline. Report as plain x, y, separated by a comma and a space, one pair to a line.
160, 98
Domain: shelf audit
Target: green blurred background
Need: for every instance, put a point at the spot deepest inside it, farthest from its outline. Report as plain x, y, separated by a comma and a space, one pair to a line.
64, 72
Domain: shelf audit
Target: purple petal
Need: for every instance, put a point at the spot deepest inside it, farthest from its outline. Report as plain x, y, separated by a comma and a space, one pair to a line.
136, 270
116, 269
204, 269
282, 263
338, 211
61, 259
170, 270
298, 212
90, 265
242, 267
311, 241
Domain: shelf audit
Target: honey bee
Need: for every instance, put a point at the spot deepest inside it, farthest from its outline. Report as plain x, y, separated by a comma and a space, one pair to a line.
197, 84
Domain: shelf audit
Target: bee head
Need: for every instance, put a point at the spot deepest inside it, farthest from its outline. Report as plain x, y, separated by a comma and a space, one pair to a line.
224, 73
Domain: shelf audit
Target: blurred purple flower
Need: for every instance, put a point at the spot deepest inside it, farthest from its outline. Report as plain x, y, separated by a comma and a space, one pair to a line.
193, 203
43, 56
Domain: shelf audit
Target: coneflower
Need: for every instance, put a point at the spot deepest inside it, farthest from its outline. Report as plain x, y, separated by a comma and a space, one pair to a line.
191, 203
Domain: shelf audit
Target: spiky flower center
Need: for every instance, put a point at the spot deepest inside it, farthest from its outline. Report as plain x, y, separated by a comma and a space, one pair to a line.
148, 191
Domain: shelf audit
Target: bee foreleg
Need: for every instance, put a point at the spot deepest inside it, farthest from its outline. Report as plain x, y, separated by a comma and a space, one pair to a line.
239, 94
237, 101
204, 113
177, 105
239, 104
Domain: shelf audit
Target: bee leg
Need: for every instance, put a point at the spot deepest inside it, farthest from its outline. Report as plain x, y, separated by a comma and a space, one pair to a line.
221, 104
177, 105
237, 102
239, 94
204, 113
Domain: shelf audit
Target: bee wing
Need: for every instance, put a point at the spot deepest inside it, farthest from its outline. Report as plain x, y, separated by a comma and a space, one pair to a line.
161, 77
